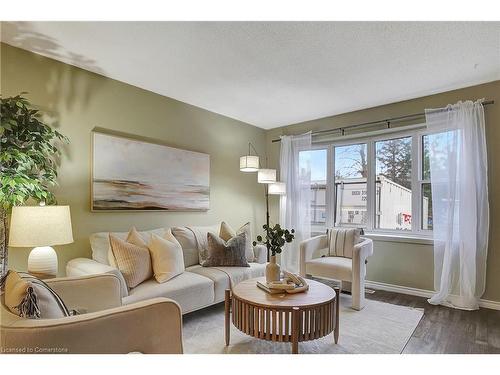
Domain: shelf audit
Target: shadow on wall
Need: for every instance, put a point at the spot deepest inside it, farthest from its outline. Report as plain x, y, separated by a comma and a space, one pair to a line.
65, 84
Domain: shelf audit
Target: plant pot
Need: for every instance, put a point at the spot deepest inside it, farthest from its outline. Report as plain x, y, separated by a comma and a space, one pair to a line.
272, 270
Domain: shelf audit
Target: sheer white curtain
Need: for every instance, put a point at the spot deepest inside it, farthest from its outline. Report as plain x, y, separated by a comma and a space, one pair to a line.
458, 164
295, 206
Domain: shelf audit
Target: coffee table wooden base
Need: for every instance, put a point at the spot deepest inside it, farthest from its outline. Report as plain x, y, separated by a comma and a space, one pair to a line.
282, 324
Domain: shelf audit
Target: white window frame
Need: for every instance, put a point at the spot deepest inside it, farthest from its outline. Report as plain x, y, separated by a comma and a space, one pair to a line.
416, 133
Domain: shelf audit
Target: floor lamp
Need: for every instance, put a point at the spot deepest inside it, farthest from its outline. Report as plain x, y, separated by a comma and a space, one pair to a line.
266, 176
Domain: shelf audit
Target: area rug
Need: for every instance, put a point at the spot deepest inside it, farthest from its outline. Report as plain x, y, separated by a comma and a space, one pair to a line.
378, 328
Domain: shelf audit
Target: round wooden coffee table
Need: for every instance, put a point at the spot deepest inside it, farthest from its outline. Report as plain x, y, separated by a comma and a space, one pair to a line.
283, 317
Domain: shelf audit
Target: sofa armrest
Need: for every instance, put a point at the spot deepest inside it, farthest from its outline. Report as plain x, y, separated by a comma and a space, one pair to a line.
85, 266
152, 326
88, 293
260, 252
307, 248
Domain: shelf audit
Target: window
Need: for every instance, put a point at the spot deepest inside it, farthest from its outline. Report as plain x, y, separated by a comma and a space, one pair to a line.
436, 142
351, 171
379, 183
393, 190
318, 164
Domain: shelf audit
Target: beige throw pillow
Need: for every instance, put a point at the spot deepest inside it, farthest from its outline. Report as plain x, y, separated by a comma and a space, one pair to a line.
226, 233
133, 237
226, 254
167, 256
133, 261
341, 241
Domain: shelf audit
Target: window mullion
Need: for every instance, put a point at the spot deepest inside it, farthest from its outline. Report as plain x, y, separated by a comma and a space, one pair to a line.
330, 187
416, 188
370, 186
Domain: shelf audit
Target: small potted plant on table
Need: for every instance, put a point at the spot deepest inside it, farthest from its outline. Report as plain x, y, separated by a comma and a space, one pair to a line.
276, 237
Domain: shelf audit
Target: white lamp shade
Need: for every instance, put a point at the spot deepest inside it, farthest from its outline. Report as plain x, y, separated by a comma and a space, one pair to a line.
266, 176
34, 226
249, 163
277, 188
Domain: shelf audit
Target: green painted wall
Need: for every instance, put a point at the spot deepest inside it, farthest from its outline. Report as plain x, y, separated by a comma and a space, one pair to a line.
79, 101
407, 264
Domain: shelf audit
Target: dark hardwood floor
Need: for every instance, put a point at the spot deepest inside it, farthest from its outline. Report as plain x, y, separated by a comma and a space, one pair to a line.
445, 330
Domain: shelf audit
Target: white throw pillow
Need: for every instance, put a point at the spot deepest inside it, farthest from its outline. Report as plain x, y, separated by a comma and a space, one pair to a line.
167, 256
226, 233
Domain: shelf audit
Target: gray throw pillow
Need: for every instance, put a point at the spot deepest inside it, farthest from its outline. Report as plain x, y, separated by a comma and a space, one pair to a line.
226, 254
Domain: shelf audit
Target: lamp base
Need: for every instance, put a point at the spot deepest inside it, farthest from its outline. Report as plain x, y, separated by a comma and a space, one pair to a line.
43, 261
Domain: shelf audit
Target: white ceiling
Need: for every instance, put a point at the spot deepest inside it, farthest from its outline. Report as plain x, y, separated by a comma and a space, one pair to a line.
271, 74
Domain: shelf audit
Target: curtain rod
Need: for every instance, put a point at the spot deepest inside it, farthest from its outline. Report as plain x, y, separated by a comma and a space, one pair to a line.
387, 120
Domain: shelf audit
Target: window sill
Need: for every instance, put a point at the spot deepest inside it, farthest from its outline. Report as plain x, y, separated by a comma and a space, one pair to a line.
389, 237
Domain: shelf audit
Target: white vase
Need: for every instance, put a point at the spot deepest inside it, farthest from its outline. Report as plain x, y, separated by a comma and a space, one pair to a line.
272, 270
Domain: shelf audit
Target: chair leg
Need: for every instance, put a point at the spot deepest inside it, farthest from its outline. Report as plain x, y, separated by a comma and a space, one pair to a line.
358, 294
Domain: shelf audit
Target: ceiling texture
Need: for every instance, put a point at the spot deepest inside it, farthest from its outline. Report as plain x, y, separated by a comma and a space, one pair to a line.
271, 74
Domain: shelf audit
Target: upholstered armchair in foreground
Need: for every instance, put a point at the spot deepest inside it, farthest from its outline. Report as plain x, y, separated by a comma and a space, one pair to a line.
315, 261
103, 325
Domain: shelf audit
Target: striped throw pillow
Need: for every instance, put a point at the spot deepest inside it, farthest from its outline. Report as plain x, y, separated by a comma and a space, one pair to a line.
133, 261
341, 241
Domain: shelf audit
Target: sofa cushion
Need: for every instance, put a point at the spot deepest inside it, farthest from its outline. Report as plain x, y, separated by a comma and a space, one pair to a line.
134, 261
219, 278
338, 268
101, 250
222, 276
222, 253
226, 233
189, 290
190, 246
166, 256
239, 274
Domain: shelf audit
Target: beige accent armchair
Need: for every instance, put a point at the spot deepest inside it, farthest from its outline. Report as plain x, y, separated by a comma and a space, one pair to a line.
315, 261
104, 326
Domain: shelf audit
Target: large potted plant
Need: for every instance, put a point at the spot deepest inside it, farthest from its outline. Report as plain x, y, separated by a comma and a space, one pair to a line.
28, 151
276, 237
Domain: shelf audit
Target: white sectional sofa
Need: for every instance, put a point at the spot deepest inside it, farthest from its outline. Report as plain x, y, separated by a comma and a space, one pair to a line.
196, 288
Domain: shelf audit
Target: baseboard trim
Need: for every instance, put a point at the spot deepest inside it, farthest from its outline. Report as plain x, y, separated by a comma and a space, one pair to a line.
487, 304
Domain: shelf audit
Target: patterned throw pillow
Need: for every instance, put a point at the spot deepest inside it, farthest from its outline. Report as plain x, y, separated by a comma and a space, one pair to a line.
226, 254
133, 261
29, 297
341, 241
226, 233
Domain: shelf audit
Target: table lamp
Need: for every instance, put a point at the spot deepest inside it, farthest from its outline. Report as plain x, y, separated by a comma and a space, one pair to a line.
41, 227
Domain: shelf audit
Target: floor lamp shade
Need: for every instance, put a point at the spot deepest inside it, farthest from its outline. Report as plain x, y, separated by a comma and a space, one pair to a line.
277, 188
41, 227
266, 176
249, 163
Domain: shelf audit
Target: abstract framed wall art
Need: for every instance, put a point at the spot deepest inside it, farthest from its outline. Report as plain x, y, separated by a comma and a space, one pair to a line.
130, 174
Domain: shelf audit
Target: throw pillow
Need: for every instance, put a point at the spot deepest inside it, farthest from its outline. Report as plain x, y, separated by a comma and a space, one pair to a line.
133, 237
167, 256
226, 254
134, 262
29, 297
226, 233
341, 241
